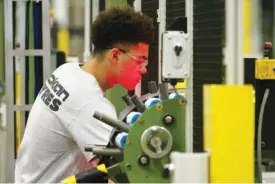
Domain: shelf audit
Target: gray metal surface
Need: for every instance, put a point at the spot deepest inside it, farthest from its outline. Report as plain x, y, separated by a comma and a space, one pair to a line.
189, 91
190, 167
137, 5
26, 107
95, 11
3, 155
29, 52
10, 144
21, 66
162, 27
234, 43
268, 177
47, 64
256, 30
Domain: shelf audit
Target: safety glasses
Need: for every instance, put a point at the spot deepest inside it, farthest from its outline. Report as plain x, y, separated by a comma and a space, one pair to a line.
141, 61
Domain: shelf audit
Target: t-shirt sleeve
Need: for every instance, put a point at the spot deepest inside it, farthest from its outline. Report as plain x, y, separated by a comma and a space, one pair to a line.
86, 130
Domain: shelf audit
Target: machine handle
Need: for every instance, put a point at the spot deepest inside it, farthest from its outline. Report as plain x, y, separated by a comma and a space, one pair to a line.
101, 151
112, 122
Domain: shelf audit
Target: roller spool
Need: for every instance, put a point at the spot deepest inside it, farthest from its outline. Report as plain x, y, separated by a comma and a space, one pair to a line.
120, 139
163, 90
174, 95
132, 117
138, 103
153, 88
151, 101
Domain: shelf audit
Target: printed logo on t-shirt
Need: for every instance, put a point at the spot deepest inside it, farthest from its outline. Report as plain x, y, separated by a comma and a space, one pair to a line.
53, 93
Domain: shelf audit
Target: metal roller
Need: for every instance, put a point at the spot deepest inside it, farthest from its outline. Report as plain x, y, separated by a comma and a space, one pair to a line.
112, 122
153, 88
102, 151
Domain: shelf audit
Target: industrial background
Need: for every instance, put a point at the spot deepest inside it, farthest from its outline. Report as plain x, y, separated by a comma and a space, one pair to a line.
68, 44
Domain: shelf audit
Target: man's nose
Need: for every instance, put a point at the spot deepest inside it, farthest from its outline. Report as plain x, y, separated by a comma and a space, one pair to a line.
143, 70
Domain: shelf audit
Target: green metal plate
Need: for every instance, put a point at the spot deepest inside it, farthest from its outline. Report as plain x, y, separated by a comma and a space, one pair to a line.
153, 172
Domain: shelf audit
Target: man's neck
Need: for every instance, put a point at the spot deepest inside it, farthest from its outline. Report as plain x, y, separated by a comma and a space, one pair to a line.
97, 69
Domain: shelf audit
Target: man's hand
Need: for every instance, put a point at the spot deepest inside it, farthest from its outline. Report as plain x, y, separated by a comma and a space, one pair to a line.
94, 162
110, 182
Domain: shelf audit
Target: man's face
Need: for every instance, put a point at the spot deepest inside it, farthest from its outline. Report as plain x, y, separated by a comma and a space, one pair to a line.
129, 66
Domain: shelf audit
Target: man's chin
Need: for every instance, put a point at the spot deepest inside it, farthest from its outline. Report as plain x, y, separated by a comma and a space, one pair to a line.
130, 87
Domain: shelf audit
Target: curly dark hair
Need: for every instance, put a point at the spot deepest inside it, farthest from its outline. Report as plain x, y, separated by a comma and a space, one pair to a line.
121, 25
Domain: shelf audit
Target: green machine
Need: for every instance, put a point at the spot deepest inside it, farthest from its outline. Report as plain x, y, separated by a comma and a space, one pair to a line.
147, 131
153, 131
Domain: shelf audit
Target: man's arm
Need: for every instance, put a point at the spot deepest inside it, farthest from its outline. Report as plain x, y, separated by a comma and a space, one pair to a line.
85, 129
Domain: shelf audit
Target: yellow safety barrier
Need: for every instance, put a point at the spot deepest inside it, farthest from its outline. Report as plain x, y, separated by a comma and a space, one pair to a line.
229, 133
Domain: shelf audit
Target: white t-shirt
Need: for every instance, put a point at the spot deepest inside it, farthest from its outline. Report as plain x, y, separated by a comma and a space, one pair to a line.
59, 126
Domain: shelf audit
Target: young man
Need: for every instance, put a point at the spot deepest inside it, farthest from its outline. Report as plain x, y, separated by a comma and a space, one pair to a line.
61, 120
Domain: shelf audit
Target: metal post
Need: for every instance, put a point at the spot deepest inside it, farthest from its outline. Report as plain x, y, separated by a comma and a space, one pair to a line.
10, 151
87, 18
21, 34
252, 29
95, 11
189, 90
162, 27
47, 64
137, 7
234, 42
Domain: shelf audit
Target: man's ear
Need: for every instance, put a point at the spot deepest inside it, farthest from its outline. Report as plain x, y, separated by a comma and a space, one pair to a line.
113, 56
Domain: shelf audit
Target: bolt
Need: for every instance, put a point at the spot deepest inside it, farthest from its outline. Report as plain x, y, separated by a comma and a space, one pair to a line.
128, 166
143, 160
168, 119
158, 106
141, 121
